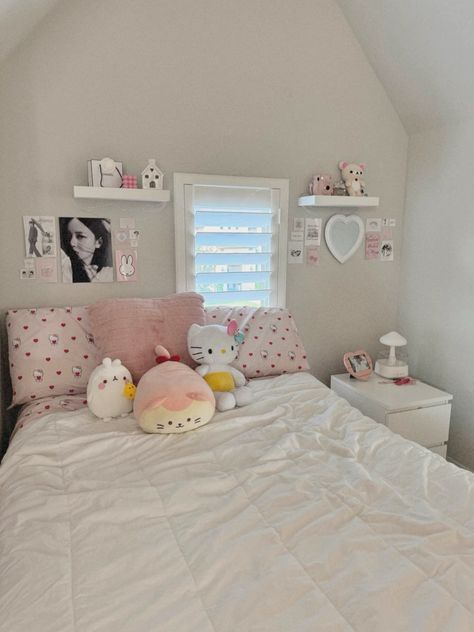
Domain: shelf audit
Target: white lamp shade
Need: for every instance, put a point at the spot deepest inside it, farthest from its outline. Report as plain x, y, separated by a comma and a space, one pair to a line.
393, 339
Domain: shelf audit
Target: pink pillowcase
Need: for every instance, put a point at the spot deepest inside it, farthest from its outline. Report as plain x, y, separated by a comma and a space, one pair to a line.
272, 345
130, 328
51, 352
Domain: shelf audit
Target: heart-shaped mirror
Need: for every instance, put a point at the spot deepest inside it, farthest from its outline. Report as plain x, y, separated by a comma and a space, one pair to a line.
344, 234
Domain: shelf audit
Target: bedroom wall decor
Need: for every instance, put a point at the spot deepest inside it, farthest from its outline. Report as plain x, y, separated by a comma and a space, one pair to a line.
105, 173
344, 234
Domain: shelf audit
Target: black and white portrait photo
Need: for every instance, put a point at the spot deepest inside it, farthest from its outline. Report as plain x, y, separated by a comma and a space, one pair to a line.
86, 250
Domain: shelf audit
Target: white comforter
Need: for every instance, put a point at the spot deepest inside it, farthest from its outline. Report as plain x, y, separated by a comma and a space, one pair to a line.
293, 514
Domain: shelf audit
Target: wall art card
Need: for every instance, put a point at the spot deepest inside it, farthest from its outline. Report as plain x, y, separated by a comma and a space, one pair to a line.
121, 236
295, 252
386, 250
86, 250
27, 274
134, 234
126, 260
40, 235
312, 231
313, 255
392, 222
373, 225
372, 245
387, 233
47, 270
298, 224
29, 263
127, 222
296, 235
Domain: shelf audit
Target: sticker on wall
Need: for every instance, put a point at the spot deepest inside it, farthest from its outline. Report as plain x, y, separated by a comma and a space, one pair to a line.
312, 231
373, 225
126, 260
386, 250
296, 235
372, 245
27, 274
121, 236
47, 270
127, 222
86, 250
312, 255
40, 235
134, 234
295, 252
392, 222
298, 224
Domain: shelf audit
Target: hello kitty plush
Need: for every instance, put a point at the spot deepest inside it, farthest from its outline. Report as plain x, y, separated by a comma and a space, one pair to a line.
352, 176
110, 390
214, 347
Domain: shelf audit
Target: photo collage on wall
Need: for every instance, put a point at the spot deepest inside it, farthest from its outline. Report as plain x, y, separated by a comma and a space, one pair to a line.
84, 250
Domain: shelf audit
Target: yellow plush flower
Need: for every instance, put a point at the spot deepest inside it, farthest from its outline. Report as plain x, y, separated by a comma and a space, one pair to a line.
129, 390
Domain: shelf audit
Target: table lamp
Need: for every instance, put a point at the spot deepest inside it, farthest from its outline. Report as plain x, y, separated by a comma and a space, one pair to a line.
390, 366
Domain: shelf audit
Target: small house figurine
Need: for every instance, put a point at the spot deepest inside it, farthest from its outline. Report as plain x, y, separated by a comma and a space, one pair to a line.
152, 176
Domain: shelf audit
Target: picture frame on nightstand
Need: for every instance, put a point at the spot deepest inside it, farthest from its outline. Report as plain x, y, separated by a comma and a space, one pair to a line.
358, 364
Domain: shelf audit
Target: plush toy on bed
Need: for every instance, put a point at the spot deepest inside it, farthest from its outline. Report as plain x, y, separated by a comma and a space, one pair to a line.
172, 398
110, 390
214, 347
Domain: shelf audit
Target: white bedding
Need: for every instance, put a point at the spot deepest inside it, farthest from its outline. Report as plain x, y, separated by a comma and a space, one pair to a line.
294, 514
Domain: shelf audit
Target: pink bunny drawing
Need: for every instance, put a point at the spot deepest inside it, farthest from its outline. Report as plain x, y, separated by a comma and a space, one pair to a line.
127, 268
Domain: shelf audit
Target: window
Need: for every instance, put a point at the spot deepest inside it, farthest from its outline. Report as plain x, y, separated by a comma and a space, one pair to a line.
231, 238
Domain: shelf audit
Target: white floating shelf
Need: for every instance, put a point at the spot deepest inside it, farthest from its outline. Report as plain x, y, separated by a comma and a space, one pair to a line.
337, 200
128, 195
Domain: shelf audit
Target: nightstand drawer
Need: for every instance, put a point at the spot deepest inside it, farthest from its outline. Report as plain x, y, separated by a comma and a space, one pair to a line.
427, 426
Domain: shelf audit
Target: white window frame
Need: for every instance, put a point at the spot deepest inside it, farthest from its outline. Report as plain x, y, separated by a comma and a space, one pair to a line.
184, 234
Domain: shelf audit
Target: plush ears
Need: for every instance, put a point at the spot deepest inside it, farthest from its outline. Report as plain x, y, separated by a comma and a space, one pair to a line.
343, 164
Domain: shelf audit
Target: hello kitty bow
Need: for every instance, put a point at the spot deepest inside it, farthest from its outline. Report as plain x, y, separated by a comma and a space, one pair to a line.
233, 330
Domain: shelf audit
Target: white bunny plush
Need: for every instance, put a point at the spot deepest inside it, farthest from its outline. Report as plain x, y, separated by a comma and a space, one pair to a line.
110, 390
214, 347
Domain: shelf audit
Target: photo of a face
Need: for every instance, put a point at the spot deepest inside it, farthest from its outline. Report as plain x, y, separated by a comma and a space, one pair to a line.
86, 250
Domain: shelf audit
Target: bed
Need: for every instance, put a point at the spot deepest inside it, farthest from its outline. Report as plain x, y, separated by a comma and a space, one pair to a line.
295, 513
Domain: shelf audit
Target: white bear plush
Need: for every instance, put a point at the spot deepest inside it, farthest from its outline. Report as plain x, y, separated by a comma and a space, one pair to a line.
352, 176
110, 390
214, 347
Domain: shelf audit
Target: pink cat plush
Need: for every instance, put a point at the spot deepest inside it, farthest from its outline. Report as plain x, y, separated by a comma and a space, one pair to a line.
172, 398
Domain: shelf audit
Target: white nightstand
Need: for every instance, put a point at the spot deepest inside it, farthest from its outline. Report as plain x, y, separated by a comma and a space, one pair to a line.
416, 411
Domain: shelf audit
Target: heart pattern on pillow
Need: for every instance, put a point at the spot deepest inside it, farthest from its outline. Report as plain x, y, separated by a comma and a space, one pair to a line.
51, 350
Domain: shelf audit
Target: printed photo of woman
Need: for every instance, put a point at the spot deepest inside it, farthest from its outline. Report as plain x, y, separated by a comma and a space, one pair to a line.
86, 250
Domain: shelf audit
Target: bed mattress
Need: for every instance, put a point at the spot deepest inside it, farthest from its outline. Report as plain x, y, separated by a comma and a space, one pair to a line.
295, 513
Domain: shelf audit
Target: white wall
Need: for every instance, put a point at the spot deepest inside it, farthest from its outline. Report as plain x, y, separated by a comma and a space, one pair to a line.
437, 280
268, 88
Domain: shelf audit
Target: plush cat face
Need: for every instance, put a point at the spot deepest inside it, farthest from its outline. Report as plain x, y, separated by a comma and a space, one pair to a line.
213, 344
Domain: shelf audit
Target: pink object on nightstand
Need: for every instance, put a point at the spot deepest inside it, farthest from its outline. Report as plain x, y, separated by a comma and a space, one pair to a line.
129, 182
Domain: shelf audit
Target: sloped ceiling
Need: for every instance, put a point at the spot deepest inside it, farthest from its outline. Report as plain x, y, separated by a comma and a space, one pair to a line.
422, 52
17, 19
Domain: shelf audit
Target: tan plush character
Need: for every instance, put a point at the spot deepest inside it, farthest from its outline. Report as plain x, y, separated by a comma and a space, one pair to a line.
352, 176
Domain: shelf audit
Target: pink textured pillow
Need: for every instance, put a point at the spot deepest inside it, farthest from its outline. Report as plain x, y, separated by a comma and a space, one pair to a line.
51, 352
130, 328
272, 345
